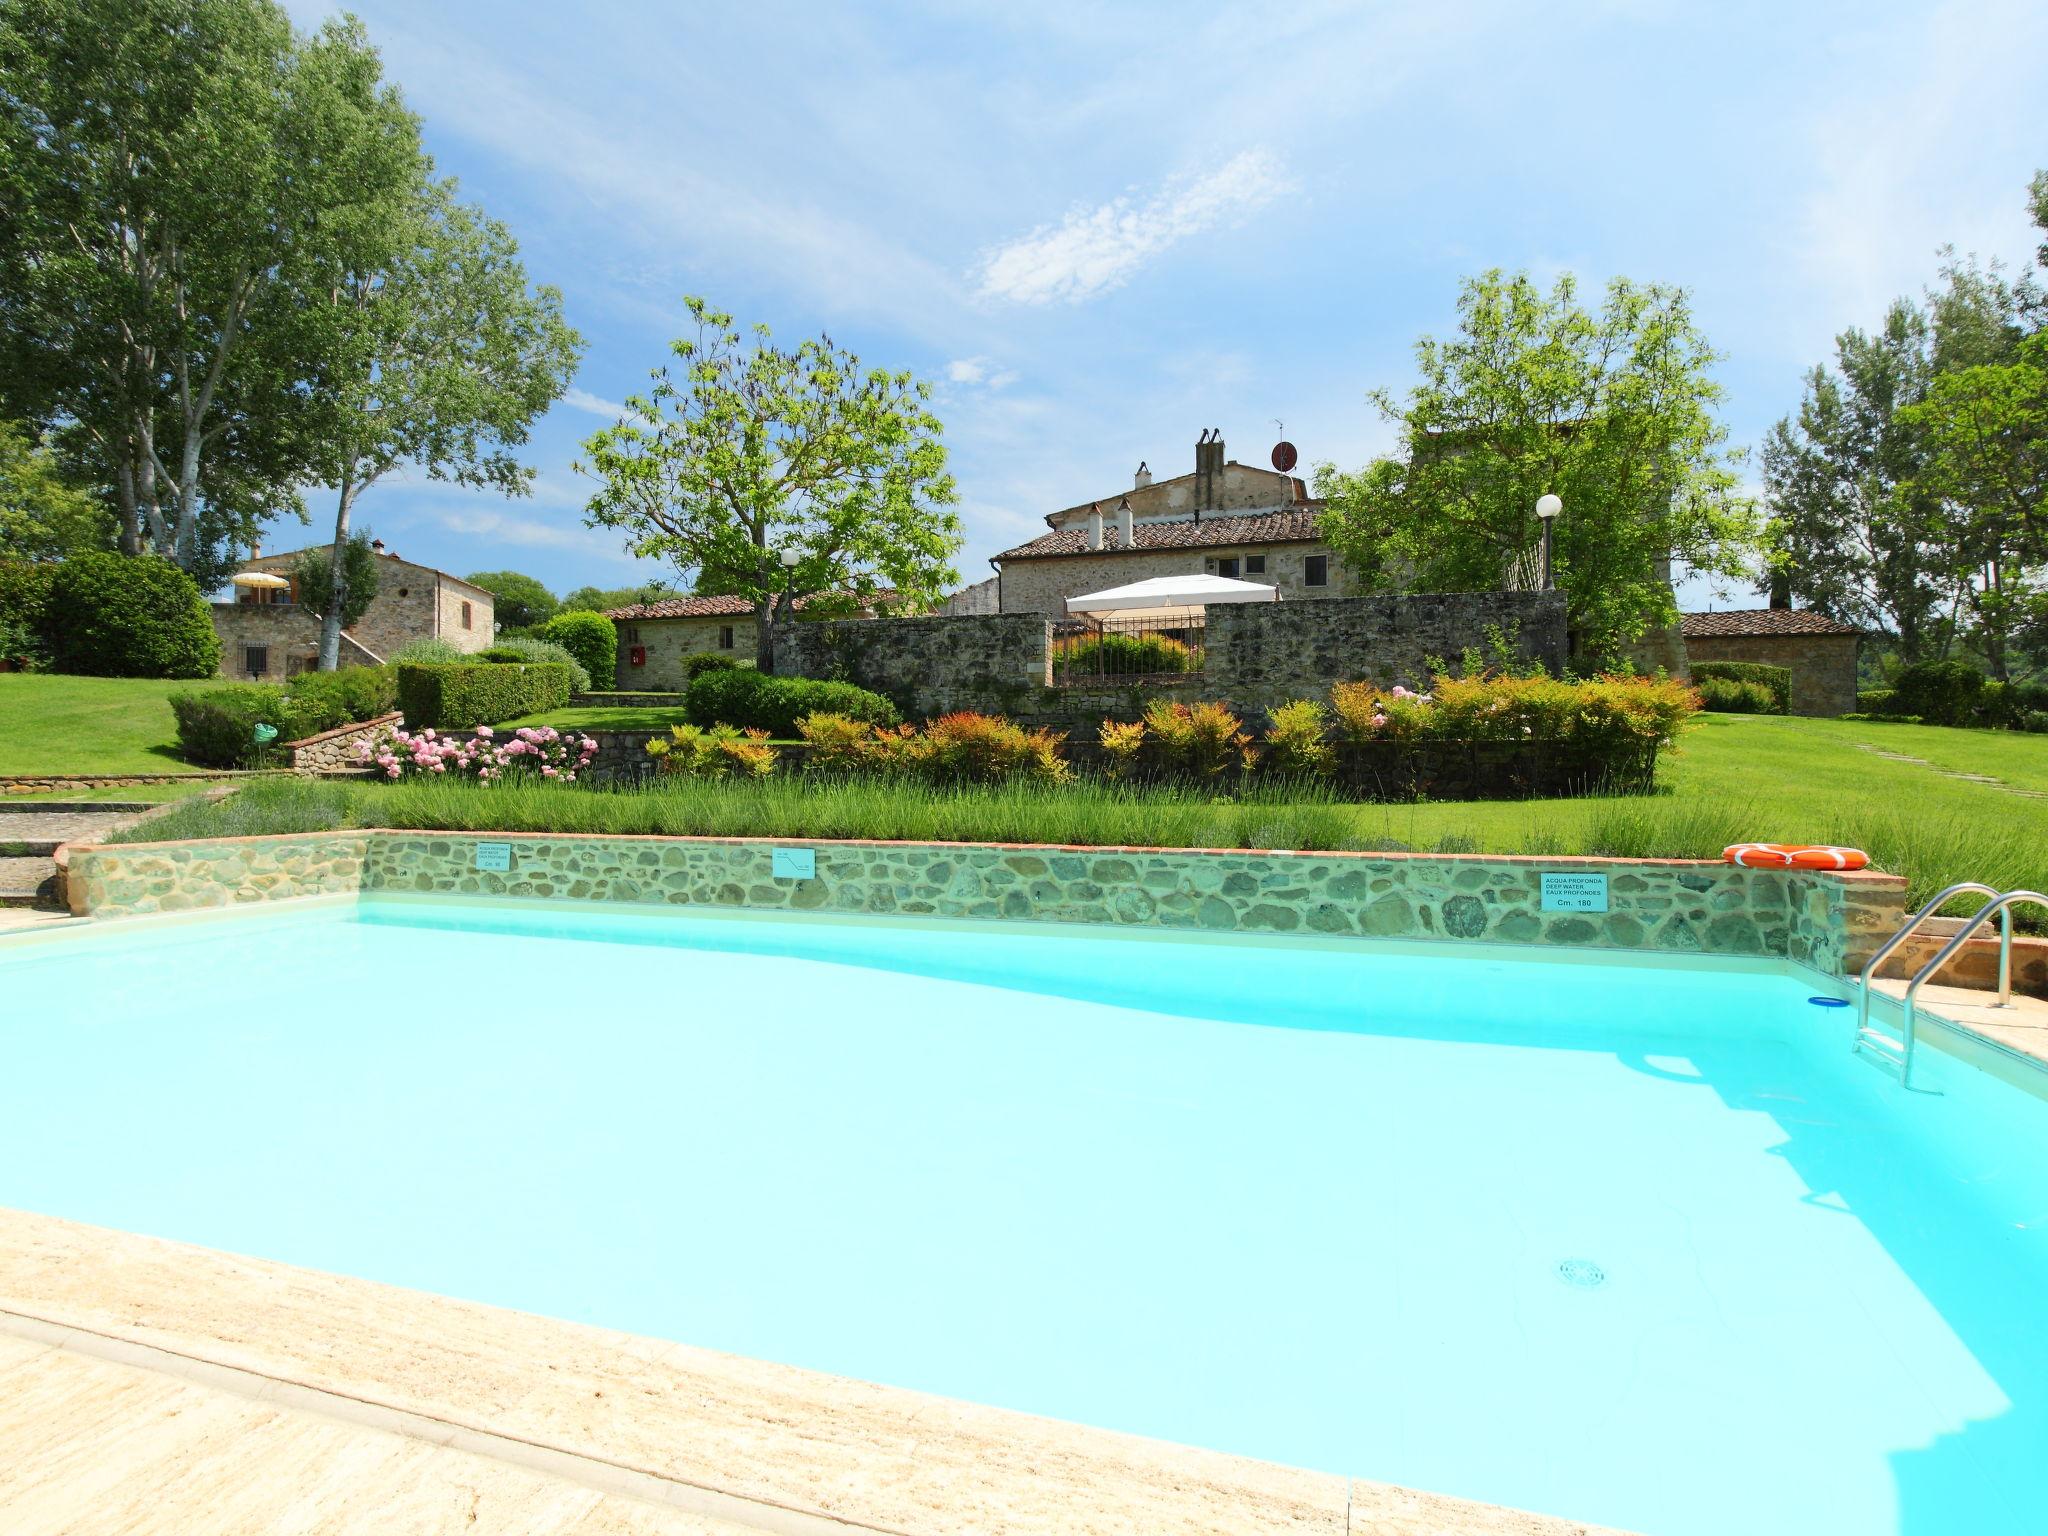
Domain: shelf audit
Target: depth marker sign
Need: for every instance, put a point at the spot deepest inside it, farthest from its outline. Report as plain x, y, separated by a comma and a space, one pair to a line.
1575, 893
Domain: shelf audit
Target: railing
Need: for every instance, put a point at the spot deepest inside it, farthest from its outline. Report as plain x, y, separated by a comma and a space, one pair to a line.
1900, 1055
1113, 652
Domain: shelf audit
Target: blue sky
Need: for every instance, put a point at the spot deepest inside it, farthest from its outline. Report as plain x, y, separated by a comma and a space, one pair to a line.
1100, 229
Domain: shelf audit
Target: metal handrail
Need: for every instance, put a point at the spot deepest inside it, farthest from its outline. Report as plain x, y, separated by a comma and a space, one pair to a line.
1941, 899
2002, 905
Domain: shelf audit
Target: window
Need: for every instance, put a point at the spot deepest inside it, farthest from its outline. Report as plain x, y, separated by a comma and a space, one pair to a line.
1227, 567
1255, 565
465, 615
725, 637
256, 658
632, 634
1315, 571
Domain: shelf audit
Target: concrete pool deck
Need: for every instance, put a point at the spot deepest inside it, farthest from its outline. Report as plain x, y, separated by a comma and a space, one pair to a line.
149, 1386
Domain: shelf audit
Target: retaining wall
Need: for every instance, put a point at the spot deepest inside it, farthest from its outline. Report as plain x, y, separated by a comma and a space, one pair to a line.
1829, 921
335, 751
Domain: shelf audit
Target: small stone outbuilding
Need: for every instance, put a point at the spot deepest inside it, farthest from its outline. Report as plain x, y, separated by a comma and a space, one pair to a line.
1820, 651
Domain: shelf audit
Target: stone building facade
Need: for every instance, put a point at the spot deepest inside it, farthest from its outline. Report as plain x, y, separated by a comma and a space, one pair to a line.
1221, 519
1820, 651
267, 635
656, 639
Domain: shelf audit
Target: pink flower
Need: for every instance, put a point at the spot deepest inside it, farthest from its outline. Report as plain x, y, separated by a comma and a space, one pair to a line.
486, 732
1400, 692
1379, 720
547, 771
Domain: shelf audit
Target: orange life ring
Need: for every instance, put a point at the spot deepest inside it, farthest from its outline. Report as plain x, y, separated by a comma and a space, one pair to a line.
1795, 856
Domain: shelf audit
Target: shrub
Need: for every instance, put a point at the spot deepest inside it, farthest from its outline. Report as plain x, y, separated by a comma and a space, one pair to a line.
752, 699
837, 743
1728, 697
320, 701
24, 597
1778, 680
1366, 713
1875, 701
540, 750
592, 639
427, 653
1296, 741
460, 695
1123, 742
1201, 740
714, 752
523, 648
1123, 655
128, 616
1939, 692
963, 747
698, 663
218, 727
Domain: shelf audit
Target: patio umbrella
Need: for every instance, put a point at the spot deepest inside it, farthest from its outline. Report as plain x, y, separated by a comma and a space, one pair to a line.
1159, 596
258, 579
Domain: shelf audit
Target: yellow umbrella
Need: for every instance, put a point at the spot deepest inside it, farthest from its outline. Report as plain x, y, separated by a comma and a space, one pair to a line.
258, 579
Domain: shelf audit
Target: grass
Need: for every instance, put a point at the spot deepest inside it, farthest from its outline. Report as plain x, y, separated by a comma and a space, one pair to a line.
174, 789
605, 717
1737, 779
111, 725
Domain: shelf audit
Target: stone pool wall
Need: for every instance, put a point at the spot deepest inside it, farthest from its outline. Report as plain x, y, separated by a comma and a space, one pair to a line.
1683, 907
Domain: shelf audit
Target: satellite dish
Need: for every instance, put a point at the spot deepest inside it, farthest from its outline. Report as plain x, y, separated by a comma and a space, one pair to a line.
1284, 456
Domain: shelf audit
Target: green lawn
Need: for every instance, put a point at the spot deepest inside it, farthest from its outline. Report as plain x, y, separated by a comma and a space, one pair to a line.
605, 717
1735, 779
110, 725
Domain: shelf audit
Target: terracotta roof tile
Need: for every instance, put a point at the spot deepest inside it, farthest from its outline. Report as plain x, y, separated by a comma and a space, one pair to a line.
711, 607
1290, 527
1761, 621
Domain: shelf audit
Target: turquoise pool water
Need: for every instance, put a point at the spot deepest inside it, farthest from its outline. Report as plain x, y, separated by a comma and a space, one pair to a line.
1635, 1244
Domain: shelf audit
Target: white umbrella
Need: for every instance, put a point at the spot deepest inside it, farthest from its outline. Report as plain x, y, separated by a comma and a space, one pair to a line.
258, 579
1162, 595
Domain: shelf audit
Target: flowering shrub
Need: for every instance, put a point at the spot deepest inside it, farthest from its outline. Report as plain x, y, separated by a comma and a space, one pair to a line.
1122, 742
1296, 742
536, 749
1205, 740
714, 752
1599, 712
958, 747
1367, 713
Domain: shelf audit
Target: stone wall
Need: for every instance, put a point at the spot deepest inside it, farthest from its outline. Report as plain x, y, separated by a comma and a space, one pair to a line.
998, 663
1263, 654
1044, 585
335, 751
668, 642
1829, 921
1823, 666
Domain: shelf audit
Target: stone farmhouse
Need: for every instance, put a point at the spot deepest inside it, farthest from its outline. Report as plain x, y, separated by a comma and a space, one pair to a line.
1820, 651
1221, 519
655, 639
267, 635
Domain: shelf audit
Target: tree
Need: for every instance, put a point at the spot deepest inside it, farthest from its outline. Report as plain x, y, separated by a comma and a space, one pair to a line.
1612, 411
446, 356
182, 176
42, 516
759, 451
357, 589
110, 615
520, 601
604, 599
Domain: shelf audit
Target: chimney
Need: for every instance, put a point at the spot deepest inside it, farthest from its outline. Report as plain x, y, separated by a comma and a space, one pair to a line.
1208, 464
1095, 525
1125, 534
377, 545
1142, 479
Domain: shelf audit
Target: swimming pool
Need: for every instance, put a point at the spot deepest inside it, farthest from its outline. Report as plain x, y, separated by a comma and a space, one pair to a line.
1633, 1242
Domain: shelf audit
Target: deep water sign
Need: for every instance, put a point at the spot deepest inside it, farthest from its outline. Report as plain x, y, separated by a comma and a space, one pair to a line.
494, 856
794, 863
1575, 893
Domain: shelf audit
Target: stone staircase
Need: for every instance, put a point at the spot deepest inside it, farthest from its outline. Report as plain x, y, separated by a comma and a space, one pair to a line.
31, 831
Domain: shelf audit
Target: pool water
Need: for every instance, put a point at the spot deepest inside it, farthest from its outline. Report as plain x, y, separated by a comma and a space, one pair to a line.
1633, 1243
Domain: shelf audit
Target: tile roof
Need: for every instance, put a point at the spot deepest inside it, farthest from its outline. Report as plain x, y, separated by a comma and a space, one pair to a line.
1761, 621
1296, 526
715, 607
264, 562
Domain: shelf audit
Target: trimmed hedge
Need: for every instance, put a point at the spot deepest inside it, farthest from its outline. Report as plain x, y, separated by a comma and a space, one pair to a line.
1725, 696
751, 699
1874, 701
460, 696
1777, 679
591, 638
217, 726
24, 595
128, 616
319, 701
697, 663
1939, 692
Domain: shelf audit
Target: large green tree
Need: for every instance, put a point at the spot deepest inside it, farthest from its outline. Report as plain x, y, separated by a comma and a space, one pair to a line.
754, 451
181, 178
341, 603
604, 599
43, 516
443, 356
1611, 409
519, 601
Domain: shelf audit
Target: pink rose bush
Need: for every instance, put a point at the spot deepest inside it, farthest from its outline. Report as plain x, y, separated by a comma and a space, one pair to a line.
485, 756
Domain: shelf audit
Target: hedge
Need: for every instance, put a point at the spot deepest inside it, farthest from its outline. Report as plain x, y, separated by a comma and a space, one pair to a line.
1874, 701
591, 638
752, 699
24, 594
463, 695
1726, 696
128, 616
1777, 679
217, 725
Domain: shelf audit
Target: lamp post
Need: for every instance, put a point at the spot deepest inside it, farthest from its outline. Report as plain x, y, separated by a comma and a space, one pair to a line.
1547, 508
779, 609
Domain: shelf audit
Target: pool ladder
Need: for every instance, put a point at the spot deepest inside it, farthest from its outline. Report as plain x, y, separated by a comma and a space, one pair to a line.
1895, 1052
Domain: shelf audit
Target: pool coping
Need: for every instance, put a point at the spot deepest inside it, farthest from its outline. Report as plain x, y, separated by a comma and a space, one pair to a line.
760, 1445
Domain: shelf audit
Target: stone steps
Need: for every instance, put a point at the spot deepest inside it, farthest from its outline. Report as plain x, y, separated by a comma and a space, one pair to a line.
28, 882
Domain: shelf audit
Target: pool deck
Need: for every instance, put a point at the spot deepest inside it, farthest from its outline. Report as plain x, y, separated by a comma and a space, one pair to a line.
2020, 1029
149, 1386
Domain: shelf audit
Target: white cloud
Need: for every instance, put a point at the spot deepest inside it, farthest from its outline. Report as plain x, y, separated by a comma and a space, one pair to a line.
1094, 250
973, 371
596, 405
